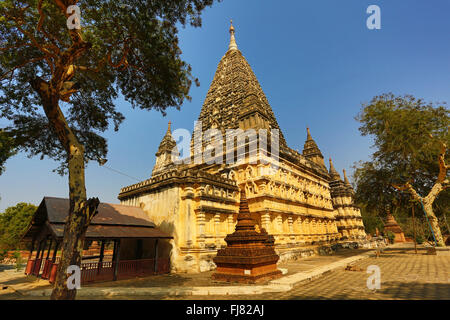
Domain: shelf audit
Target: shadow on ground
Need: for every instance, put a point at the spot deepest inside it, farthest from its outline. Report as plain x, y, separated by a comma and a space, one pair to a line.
389, 289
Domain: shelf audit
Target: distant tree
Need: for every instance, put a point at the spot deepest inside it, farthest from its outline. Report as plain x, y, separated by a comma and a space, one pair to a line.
59, 75
410, 138
13, 224
371, 220
7, 149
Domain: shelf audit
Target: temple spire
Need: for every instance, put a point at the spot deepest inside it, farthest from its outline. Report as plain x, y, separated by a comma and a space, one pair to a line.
333, 173
166, 152
312, 151
308, 137
233, 45
345, 178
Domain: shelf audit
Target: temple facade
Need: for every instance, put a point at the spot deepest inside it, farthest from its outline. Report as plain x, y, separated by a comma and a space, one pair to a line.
291, 195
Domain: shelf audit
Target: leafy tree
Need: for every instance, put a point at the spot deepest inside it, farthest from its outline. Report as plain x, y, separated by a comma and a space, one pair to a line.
59, 74
13, 224
410, 138
371, 220
7, 149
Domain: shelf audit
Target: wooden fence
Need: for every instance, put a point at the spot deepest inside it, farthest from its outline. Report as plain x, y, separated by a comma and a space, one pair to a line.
104, 271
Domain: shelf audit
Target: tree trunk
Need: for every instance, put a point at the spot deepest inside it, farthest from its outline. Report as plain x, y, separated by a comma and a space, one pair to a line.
434, 224
80, 214
428, 206
81, 210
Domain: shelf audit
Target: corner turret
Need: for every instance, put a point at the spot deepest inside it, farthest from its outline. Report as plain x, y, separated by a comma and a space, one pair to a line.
167, 153
311, 151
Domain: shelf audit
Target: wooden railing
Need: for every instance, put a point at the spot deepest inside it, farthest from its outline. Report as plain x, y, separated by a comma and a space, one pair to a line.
36, 267
41, 267
46, 271
104, 271
96, 272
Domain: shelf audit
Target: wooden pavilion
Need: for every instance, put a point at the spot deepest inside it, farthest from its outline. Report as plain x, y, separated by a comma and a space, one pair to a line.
138, 248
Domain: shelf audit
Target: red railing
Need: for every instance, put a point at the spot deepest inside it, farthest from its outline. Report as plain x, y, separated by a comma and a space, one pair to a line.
98, 272
29, 267
47, 267
36, 267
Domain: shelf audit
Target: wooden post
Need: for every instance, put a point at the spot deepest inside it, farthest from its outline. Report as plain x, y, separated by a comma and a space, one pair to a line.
42, 256
37, 257
43, 248
49, 247
100, 260
117, 257
55, 251
31, 250
139, 245
114, 251
414, 228
156, 256
38, 250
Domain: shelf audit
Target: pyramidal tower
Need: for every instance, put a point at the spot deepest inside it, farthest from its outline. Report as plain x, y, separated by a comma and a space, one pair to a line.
311, 151
348, 215
235, 98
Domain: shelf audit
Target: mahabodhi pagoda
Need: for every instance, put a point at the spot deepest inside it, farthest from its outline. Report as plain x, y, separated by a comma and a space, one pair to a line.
302, 204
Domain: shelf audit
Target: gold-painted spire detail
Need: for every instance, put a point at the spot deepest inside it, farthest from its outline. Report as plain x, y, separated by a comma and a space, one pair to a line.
233, 45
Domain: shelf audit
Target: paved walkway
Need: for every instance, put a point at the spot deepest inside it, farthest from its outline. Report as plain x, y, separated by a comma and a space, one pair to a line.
404, 275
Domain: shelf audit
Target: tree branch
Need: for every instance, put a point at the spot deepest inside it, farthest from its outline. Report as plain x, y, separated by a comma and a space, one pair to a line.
39, 28
55, 116
36, 44
442, 166
3, 76
123, 61
17, 46
408, 187
41, 15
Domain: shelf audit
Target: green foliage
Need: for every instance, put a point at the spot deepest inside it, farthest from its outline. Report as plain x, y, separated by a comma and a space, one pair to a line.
130, 47
13, 224
18, 257
419, 239
404, 150
391, 236
7, 149
371, 221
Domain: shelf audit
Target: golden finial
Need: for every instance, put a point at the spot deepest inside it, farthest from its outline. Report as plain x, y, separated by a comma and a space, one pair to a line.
233, 45
308, 134
332, 169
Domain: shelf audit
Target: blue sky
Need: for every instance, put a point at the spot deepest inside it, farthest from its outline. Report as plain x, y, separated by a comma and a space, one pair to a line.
316, 62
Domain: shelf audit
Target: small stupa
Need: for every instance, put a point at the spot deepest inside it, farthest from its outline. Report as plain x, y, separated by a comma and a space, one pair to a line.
249, 256
392, 225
